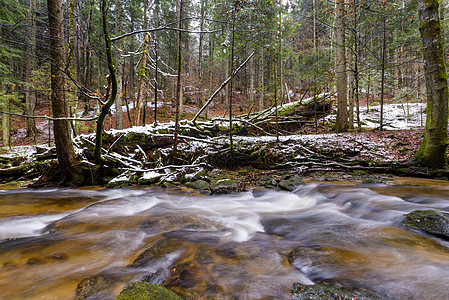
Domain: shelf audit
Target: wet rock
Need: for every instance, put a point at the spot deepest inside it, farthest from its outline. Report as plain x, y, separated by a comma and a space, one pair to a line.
313, 262
290, 182
95, 287
35, 261
329, 292
158, 250
198, 185
59, 256
223, 186
157, 277
429, 221
146, 291
195, 236
280, 227
183, 276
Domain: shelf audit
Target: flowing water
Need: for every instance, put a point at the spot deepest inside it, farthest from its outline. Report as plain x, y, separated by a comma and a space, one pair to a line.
250, 245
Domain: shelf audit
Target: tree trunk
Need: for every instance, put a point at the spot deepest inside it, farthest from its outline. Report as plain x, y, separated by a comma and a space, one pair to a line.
382, 84
432, 152
351, 67
142, 81
119, 62
6, 124
113, 79
342, 113
231, 70
63, 141
178, 81
30, 94
261, 85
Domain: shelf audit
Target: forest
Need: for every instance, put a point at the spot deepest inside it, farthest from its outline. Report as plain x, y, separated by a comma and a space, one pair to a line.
247, 67
244, 149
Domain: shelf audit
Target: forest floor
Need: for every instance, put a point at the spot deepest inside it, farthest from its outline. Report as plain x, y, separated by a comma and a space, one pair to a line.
322, 155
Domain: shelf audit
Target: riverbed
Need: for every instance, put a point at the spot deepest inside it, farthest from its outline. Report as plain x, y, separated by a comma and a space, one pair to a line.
248, 245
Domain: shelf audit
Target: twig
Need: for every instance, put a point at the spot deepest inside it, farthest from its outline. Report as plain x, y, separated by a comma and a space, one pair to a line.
48, 118
115, 142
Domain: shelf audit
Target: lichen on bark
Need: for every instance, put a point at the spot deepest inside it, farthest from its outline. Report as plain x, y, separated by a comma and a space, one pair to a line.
432, 152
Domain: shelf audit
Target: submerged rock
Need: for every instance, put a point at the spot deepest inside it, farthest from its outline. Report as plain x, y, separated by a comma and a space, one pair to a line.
146, 291
329, 292
95, 287
158, 250
429, 221
224, 186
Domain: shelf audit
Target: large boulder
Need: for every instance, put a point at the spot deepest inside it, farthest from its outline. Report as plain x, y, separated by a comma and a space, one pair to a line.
429, 221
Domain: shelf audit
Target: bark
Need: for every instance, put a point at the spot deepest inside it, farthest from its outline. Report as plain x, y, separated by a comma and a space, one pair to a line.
261, 86
252, 71
155, 81
382, 84
351, 67
342, 114
61, 128
113, 79
178, 80
6, 124
31, 65
119, 62
432, 152
142, 81
231, 70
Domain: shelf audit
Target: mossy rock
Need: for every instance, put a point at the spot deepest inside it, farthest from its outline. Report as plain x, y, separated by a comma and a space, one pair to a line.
198, 185
125, 179
224, 186
429, 221
290, 183
146, 291
150, 177
368, 181
329, 292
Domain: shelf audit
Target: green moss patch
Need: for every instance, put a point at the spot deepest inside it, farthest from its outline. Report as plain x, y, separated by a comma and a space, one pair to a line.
146, 291
429, 221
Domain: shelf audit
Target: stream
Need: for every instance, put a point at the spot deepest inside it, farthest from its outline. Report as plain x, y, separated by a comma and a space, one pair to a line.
249, 245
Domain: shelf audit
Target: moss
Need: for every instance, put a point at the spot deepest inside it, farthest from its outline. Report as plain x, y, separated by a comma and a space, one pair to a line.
428, 221
146, 291
290, 183
198, 184
224, 186
329, 292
